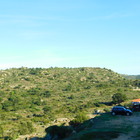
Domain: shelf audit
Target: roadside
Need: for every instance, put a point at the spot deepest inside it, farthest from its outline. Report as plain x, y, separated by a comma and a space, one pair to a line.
107, 127
134, 134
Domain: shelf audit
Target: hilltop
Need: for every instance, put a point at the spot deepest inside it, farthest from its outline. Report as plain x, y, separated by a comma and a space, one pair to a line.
32, 98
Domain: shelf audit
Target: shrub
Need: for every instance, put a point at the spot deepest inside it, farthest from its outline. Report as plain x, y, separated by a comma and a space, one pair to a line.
79, 118
60, 131
107, 110
118, 98
26, 128
13, 135
46, 109
7, 105
1, 131
46, 94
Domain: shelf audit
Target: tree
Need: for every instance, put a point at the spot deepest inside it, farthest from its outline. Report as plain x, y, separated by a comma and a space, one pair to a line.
118, 98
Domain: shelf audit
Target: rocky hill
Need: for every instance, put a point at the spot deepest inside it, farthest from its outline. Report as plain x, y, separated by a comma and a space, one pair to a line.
32, 98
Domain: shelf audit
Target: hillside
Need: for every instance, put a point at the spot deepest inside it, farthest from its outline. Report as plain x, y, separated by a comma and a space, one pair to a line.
131, 76
32, 98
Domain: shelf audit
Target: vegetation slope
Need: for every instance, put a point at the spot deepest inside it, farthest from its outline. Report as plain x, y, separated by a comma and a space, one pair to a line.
31, 98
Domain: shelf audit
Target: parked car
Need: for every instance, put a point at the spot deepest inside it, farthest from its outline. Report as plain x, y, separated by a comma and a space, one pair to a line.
120, 110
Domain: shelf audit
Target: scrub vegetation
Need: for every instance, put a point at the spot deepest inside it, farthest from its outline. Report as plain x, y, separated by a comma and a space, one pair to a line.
32, 98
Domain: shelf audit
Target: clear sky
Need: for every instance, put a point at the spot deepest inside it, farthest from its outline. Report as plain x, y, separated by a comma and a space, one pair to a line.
70, 33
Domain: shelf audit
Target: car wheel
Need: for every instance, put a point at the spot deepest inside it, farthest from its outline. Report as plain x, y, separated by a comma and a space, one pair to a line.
113, 113
127, 114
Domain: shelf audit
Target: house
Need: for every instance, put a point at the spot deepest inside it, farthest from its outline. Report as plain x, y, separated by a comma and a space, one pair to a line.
136, 105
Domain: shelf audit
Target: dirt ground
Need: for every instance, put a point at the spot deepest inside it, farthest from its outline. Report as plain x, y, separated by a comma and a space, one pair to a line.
127, 126
130, 121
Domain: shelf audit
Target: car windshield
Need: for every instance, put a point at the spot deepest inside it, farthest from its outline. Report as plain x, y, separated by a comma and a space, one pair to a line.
120, 108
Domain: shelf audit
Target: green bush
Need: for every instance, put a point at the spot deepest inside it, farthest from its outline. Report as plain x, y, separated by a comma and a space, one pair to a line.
46, 94
60, 131
79, 118
13, 135
26, 128
119, 98
107, 110
1, 131
46, 109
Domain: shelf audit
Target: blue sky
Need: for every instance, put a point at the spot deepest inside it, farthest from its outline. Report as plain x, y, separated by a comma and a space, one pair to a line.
70, 33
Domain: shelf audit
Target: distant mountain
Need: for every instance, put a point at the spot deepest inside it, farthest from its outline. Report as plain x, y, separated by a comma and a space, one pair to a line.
131, 76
